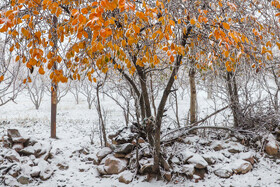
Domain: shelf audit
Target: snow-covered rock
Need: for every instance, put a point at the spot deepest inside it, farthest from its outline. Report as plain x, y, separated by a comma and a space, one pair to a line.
271, 146
126, 177
217, 145
46, 170
18, 146
103, 153
188, 169
12, 155
114, 165
15, 136
27, 151
23, 180
124, 148
35, 172
235, 147
185, 155
224, 172
241, 166
198, 161
247, 156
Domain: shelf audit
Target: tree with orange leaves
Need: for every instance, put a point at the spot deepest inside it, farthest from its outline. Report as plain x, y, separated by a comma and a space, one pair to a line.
136, 39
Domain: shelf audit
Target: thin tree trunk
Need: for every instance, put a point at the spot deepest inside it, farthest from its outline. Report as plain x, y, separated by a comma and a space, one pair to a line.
192, 95
234, 101
101, 116
54, 85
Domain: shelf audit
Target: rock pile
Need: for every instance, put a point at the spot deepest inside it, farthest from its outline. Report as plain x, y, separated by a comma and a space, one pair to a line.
224, 158
23, 159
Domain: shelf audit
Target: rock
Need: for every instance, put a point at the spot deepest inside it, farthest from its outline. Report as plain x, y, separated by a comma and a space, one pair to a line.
114, 165
241, 166
84, 151
209, 159
27, 151
188, 170
124, 148
167, 176
15, 136
248, 156
18, 146
223, 172
235, 147
12, 156
271, 146
35, 172
103, 153
141, 140
23, 180
11, 181
119, 155
147, 152
101, 170
175, 160
217, 146
200, 172
42, 150
6, 142
124, 136
46, 170
146, 168
15, 171
62, 166
185, 155
198, 161
126, 177
93, 158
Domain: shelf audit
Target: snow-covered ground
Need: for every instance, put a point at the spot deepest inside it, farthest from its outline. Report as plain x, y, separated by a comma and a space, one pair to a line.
75, 124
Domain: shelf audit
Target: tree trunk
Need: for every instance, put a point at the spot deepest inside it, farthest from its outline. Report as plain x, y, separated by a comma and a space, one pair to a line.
101, 120
234, 100
192, 96
53, 110
54, 85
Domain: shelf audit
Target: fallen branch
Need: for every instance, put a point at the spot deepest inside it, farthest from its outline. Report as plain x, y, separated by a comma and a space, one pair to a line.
198, 122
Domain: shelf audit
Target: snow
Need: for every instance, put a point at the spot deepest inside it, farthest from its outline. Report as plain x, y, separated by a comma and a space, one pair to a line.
75, 123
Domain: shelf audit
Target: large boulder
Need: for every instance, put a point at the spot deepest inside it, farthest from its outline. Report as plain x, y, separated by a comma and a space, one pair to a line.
241, 166
103, 153
198, 161
114, 165
124, 148
271, 146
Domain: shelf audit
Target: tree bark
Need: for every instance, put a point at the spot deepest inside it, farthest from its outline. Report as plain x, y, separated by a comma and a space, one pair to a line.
234, 100
54, 85
192, 95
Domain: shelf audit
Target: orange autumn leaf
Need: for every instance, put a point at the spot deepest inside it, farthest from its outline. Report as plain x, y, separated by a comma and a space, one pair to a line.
41, 71
226, 26
192, 21
1, 78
